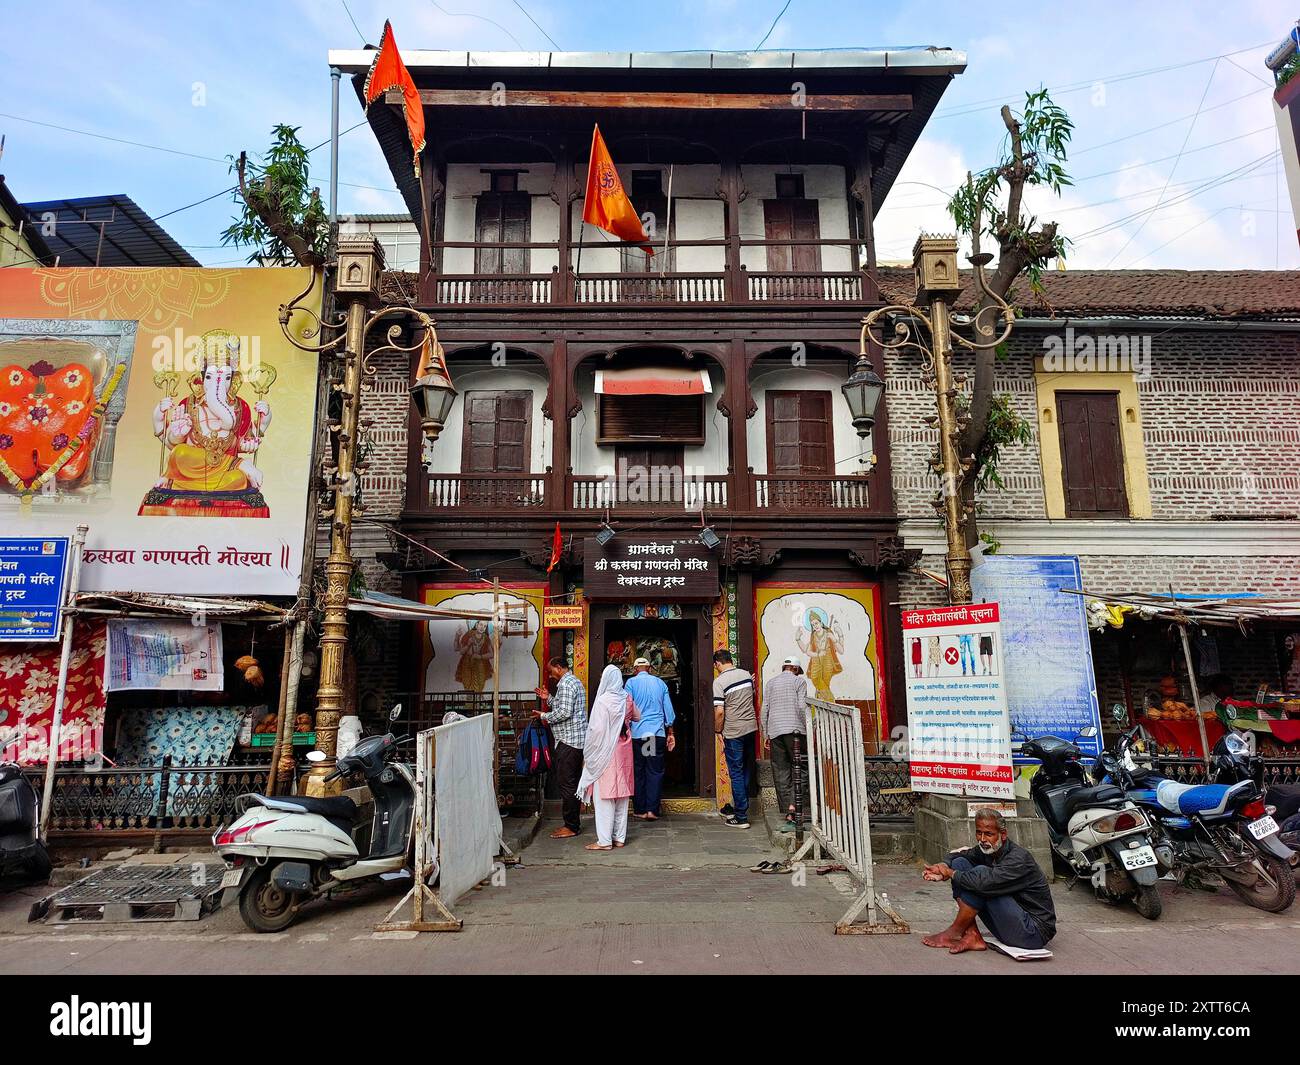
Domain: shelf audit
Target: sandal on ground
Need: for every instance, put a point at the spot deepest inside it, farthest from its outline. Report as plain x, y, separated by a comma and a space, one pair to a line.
778, 868
598, 847
618, 844
761, 867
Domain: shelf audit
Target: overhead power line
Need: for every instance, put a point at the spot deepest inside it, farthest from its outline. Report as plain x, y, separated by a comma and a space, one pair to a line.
538, 25
773, 26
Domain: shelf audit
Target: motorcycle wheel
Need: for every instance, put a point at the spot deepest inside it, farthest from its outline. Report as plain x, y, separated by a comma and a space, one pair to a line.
1273, 887
265, 907
1147, 901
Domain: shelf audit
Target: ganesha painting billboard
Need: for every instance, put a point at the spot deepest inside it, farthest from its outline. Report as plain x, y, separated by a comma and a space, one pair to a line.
166, 410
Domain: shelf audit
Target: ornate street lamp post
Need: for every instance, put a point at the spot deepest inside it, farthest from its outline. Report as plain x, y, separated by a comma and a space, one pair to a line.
934, 260
360, 262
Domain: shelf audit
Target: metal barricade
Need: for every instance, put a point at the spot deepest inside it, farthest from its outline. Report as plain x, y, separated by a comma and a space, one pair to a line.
841, 823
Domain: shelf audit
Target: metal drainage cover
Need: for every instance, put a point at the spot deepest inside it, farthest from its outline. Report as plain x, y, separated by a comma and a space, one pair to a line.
132, 893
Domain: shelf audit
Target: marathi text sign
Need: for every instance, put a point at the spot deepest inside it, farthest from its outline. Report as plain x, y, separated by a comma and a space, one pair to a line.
959, 732
634, 568
1051, 687
31, 587
165, 409
562, 616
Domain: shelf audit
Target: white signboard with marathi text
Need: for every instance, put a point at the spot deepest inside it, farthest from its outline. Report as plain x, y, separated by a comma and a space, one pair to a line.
959, 731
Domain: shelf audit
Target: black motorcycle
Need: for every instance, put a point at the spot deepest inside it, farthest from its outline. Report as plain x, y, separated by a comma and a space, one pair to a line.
1212, 832
1231, 762
23, 857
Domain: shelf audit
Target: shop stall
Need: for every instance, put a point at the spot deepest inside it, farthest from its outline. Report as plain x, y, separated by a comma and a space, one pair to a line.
171, 708
1189, 667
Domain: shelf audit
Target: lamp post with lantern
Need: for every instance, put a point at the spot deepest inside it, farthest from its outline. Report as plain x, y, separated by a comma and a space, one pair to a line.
356, 284
934, 260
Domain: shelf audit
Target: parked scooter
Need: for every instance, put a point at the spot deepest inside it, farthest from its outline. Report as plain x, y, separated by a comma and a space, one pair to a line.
1095, 831
23, 857
286, 850
1223, 831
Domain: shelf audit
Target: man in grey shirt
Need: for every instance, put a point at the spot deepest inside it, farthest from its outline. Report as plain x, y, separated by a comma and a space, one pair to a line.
783, 736
733, 717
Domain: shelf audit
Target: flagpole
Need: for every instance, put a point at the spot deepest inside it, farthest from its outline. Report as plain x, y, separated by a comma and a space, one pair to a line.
668, 226
582, 236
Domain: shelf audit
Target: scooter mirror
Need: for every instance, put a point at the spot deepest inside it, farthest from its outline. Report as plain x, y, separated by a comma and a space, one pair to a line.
395, 712
1088, 732
1118, 713
315, 756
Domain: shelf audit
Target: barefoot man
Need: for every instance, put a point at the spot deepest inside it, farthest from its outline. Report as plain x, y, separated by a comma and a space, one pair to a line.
999, 882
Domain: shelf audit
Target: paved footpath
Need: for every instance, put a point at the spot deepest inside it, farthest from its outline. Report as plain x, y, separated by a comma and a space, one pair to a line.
678, 899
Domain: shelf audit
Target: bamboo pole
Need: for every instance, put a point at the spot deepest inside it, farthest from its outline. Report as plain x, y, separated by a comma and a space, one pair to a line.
56, 723
496, 685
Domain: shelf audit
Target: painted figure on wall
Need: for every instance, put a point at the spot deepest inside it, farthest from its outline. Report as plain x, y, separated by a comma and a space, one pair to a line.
474, 645
822, 640
211, 437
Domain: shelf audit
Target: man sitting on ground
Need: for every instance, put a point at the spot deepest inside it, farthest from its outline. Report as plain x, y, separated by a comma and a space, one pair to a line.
999, 882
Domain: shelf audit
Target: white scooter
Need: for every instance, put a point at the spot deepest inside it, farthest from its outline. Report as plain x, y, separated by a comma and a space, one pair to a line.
284, 851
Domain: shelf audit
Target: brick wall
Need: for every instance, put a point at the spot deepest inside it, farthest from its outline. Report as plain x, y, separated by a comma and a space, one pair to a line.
1220, 416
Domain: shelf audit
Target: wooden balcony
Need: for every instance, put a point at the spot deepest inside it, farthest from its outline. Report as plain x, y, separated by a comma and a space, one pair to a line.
598, 492
729, 284
485, 492
497, 493
812, 492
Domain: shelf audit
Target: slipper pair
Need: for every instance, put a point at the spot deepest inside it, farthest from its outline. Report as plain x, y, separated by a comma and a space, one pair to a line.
771, 867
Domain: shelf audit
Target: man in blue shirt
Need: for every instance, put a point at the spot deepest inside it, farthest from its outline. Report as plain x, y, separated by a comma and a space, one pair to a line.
651, 737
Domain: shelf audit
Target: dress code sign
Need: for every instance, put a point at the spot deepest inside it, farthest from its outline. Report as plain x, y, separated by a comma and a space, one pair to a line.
637, 568
959, 732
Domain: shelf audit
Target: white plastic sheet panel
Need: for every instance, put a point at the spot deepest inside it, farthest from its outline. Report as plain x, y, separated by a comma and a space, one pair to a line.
465, 805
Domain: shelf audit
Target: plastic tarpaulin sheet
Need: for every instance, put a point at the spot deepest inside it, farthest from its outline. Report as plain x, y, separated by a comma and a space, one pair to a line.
465, 805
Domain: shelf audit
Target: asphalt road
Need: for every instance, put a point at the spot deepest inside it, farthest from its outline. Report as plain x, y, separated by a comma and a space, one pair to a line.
678, 899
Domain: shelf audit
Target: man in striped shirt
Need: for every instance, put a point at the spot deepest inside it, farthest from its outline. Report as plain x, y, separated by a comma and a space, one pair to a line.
783, 735
567, 717
733, 717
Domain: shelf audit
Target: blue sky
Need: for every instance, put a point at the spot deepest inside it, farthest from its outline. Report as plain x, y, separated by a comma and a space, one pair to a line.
206, 79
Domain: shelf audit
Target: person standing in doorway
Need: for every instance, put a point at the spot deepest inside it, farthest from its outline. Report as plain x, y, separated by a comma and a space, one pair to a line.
568, 720
734, 719
784, 736
652, 736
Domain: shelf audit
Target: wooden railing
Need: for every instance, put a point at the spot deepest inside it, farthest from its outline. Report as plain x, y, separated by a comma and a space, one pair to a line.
811, 492
806, 287
493, 288
598, 492
650, 288
486, 491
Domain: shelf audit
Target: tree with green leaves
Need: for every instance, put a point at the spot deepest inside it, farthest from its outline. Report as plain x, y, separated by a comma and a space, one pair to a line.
281, 215
990, 206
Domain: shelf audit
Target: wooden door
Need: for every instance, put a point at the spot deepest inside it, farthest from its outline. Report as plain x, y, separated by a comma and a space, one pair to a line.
793, 219
497, 439
1092, 455
502, 217
799, 447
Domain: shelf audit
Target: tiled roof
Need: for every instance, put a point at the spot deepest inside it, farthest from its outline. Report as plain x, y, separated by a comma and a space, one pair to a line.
1226, 294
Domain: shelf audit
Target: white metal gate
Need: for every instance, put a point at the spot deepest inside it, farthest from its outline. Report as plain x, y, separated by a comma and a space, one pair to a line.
841, 822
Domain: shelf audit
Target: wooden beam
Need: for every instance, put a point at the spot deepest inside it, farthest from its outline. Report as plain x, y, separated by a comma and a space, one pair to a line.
699, 101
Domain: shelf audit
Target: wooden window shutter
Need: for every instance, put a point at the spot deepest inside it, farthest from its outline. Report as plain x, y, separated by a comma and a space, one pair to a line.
799, 433
502, 217
662, 419
1092, 455
497, 436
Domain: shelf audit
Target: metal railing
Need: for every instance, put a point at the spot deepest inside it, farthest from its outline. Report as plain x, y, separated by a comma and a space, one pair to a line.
134, 798
840, 800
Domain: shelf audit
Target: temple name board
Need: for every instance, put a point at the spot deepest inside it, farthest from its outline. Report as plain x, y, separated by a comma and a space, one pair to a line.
632, 567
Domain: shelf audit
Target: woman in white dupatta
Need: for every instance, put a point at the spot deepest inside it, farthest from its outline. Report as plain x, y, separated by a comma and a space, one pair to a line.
606, 780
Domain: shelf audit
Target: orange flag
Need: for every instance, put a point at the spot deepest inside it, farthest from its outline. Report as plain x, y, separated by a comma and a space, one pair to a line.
389, 72
607, 205
557, 548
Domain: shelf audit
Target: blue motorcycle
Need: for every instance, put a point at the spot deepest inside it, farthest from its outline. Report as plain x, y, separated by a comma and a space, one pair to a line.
1219, 831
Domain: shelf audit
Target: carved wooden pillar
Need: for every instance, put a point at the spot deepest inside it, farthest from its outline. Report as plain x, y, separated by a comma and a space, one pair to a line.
733, 191
860, 190
564, 192
737, 402
557, 409
434, 206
